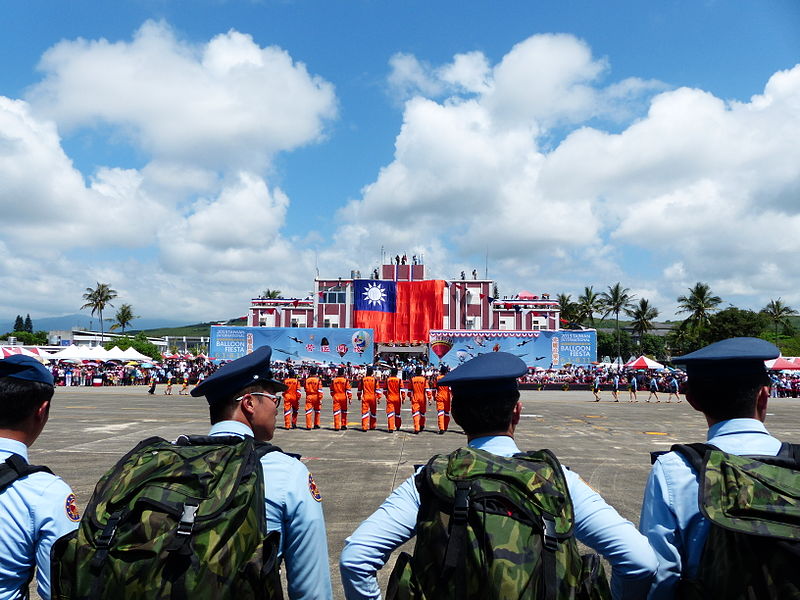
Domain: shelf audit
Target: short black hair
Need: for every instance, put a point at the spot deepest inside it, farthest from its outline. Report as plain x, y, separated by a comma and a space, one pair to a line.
223, 410
729, 397
20, 398
482, 409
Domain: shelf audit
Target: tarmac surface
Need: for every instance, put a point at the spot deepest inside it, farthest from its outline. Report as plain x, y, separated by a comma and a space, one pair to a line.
607, 443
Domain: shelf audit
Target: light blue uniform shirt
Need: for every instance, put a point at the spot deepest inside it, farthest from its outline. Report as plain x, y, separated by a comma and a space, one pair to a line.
293, 511
597, 525
671, 517
33, 515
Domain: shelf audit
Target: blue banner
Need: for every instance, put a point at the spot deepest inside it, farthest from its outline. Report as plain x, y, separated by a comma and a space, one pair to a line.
309, 344
547, 349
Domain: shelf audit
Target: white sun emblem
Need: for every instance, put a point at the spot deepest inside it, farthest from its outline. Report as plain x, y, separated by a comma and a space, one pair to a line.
375, 295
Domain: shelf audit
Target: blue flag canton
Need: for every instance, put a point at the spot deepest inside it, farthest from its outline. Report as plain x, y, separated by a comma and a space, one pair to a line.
374, 295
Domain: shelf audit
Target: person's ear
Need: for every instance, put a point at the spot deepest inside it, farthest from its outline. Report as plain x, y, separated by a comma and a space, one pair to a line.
516, 413
42, 413
761, 403
247, 404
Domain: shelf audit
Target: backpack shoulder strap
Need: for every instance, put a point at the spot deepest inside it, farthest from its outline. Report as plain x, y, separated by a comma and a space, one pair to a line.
16, 467
695, 454
790, 451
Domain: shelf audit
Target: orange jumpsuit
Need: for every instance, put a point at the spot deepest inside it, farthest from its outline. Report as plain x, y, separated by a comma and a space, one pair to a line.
394, 397
443, 398
419, 386
291, 402
340, 390
369, 401
313, 401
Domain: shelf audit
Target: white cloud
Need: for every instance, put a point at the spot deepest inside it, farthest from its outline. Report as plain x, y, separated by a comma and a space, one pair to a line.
227, 103
705, 188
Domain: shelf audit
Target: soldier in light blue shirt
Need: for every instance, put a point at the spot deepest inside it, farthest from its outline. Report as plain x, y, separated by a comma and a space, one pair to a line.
728, 383
38, 507
492, 428
243, 401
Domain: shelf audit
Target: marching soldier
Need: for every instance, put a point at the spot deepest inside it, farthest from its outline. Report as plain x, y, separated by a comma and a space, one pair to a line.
313, 388
291, 400
368, 392
395, 394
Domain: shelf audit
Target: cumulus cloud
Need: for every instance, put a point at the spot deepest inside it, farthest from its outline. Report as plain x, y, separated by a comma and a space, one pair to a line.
704, 187
207, 118
226, 103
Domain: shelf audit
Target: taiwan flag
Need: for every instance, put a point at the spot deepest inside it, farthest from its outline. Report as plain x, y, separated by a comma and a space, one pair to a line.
399, 312
375, 306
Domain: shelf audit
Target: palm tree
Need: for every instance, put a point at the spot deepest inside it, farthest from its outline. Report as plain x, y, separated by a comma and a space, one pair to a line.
567, 307
123, 317
615, 300
700, 303
271, 294
642, 315
778, 313
589, 303
97, 298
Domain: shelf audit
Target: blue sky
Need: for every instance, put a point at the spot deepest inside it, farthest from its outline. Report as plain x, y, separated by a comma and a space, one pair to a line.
191, 154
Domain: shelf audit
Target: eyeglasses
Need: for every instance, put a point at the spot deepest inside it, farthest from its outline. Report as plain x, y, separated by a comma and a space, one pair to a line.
274, 397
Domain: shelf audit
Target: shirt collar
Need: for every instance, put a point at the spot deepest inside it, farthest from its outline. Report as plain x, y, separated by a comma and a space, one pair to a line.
14, 447
496, 444
732, 426
230, 428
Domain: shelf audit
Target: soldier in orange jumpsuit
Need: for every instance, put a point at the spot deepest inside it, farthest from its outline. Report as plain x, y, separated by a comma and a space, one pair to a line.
394, 398
313, 387
368, 392
291, 400
443, 398
419, 391
340, 390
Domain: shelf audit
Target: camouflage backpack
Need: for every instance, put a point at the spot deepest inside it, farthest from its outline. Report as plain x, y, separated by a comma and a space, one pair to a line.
753, 506
492, 527
183, 520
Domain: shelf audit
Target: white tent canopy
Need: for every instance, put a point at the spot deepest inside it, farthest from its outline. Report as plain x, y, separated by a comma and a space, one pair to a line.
134, 354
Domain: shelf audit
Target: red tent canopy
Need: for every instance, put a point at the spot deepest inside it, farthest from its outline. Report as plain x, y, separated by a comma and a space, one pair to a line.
781, 364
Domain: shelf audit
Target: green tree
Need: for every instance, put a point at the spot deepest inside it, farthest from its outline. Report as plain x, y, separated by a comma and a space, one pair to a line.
615, 300
779, 313
589, 303
97, 299
140, 343
733, 322
271, 294
38, 338
700, 304
653, 345
608, 343
568, 308
28, 326
681, 341
643, 315
124, 317
19, 324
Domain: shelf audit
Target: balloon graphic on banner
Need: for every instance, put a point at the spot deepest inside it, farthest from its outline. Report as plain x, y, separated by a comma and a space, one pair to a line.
441, 347
360, 340
342, 349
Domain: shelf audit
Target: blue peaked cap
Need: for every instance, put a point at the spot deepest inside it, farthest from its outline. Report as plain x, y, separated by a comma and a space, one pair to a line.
498, 370
728, 358
26, 368
236, 375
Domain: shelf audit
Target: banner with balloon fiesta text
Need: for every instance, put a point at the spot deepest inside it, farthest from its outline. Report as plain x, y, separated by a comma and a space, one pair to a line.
546, 349
300, 344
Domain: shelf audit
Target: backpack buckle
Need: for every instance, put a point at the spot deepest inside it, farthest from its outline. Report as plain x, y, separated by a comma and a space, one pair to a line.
461, 502
549, 537
186, 523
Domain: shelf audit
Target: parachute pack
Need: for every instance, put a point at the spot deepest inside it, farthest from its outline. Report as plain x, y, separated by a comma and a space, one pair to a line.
492, 527
753, 506
174, 520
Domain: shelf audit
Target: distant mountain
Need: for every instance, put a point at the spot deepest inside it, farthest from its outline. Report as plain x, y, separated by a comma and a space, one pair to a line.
79, 321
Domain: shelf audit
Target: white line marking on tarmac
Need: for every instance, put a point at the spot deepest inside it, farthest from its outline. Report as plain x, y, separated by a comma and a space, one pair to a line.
531, 416
113, 428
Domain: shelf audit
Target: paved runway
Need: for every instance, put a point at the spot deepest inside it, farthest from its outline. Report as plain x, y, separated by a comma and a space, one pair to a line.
607, 443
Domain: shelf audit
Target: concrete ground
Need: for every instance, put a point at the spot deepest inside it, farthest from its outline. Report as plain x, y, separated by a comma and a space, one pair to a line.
607, 443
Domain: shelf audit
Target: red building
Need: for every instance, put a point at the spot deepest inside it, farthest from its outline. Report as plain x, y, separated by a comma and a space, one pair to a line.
467, 304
